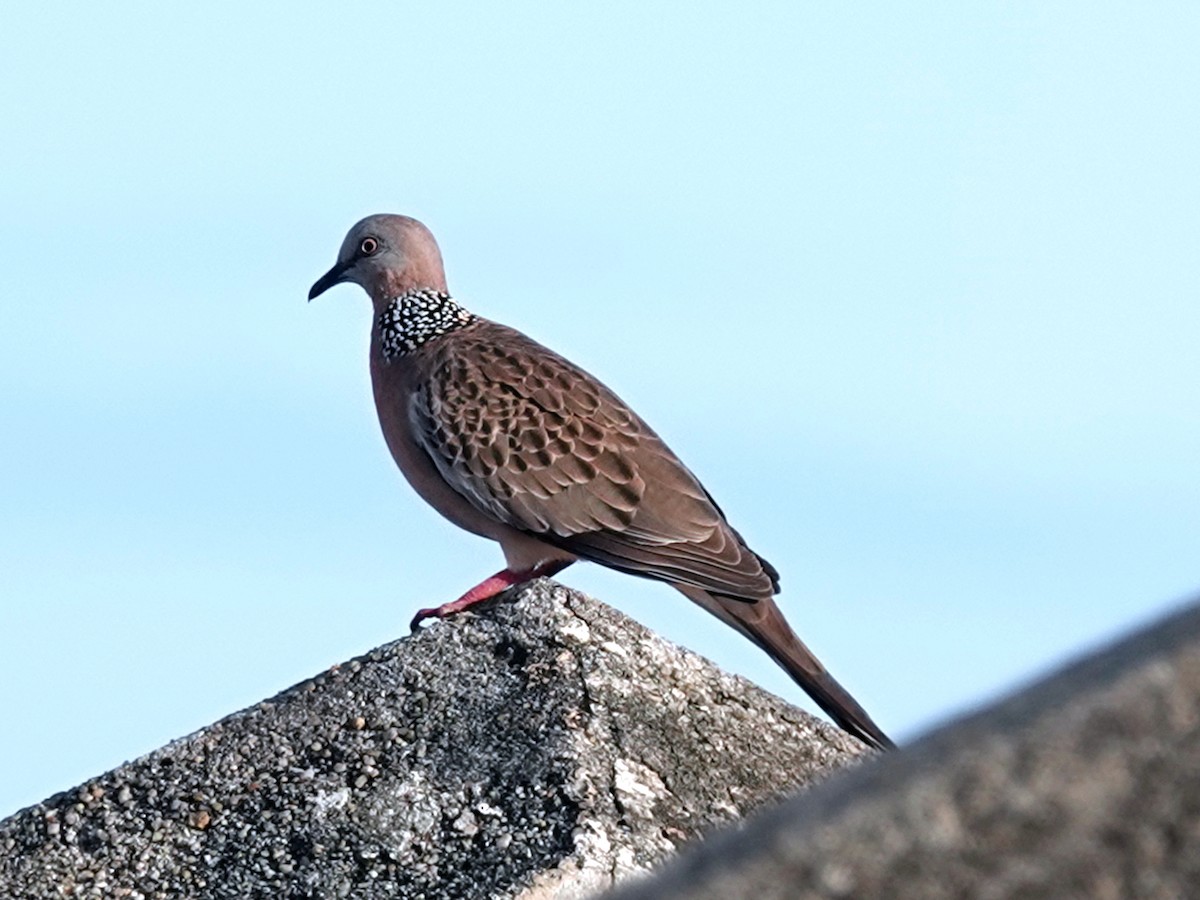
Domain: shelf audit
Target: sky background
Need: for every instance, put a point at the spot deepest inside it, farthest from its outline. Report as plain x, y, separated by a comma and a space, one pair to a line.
914, 291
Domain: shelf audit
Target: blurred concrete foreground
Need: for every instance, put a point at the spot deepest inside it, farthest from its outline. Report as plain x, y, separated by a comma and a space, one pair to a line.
551, 747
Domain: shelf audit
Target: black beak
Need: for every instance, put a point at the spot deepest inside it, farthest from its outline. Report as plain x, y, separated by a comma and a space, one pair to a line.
336, 275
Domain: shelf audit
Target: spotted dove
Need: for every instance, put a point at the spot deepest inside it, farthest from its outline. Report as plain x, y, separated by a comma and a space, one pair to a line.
512, 442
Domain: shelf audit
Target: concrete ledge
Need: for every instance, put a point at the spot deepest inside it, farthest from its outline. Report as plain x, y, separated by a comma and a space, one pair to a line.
545, 747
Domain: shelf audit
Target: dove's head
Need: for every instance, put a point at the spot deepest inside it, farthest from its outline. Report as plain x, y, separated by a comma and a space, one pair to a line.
386, 255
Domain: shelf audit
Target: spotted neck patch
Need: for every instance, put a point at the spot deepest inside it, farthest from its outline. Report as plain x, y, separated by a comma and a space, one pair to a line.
415, 317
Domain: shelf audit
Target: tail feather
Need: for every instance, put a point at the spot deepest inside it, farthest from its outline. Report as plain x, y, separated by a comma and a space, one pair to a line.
764, 624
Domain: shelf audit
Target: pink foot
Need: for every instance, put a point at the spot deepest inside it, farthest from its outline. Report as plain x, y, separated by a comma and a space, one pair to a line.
487, 589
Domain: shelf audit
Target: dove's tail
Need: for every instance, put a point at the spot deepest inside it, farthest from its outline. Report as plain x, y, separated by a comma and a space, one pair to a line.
763, 622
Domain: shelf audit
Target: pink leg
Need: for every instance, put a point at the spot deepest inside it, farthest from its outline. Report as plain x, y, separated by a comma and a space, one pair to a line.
487, 589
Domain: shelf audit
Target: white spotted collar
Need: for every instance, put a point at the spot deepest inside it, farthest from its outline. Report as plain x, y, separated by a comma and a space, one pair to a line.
417, 316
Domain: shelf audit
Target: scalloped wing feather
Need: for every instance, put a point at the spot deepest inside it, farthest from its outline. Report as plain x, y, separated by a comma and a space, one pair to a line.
532, 440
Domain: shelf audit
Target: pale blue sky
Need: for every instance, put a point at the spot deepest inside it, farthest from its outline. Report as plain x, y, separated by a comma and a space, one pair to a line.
914, 291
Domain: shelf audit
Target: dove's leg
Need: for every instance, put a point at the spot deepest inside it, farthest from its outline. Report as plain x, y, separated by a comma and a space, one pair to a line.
489, 588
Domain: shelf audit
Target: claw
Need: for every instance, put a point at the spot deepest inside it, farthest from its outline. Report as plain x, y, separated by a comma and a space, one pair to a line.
429, 612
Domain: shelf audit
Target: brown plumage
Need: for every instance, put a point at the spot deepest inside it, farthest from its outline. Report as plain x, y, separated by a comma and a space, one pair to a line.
512, 442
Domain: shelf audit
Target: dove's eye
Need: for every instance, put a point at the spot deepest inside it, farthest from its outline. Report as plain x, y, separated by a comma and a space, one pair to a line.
368, 246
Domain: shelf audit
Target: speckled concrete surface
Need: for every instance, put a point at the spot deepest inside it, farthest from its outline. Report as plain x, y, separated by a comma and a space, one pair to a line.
1085, 785
540, 748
